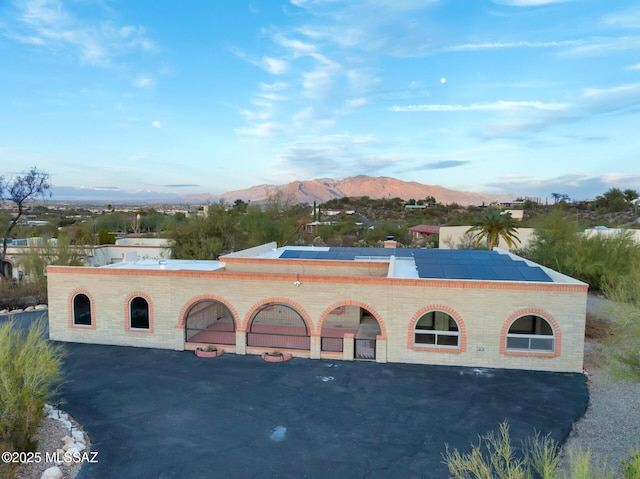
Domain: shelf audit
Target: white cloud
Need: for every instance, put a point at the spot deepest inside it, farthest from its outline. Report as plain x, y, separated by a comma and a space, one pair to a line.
499, 105
354, 103
623, 90
487, 46
261, 130
626, 19
272, 96
297, 47
276, 86
156, 124
144, 81
603, 46
319, 82
274, 65
47, 23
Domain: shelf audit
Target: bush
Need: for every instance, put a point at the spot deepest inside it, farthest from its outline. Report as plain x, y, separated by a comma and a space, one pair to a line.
30, 372
23, 295
494, 457
631, 468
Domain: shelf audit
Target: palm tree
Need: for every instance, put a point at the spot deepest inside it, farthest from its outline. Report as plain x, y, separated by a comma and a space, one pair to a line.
494, 226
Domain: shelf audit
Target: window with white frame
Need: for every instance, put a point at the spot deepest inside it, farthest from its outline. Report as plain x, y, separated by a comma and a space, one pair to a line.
531, 333
436, 329
81, 310
139, 313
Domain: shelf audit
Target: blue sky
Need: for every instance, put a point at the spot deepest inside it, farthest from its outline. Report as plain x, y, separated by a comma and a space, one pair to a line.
527, 97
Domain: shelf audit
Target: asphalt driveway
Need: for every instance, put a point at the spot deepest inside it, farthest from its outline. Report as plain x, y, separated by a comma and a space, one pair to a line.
167, 414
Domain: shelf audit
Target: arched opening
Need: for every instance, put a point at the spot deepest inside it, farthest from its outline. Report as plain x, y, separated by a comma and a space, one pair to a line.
436, 329
349, 319
138, 313
211, 322
81, 310
278, 325
531, 333
7, 269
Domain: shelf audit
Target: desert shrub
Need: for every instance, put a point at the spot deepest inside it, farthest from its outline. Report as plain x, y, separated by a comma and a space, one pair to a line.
631, 468
494, 457
583, 466
22, 295
30, 372
543, 456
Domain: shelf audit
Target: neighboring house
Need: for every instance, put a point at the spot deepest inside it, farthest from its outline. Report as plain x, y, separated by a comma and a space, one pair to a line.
486, 309
151, 248
604, 231
454, 237
421, 232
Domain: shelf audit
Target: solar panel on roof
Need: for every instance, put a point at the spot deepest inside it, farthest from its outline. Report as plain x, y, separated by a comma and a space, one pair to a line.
455, 271
438, 264
482, 272
290, 253
507, 273
534, 274
430, 271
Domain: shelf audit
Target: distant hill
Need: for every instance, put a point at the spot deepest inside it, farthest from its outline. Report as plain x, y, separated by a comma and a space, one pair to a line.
324, 189
319, 190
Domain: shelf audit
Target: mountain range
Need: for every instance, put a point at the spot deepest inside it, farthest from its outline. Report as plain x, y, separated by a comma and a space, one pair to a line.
319, 190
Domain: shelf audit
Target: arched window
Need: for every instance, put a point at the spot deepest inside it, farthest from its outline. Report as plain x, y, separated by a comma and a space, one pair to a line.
81, 310
436, 328
139, 313
531, 333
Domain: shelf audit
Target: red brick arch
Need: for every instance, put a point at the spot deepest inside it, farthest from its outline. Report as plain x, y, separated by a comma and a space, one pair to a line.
182, 317
537, 312
127, 319
303, 312
92, 304
462, 329
374, 313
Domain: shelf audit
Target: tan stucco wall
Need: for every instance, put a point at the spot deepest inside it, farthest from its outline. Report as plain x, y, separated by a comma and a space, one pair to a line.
483, 309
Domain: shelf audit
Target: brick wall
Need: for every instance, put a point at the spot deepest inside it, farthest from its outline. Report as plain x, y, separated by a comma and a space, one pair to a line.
484, 310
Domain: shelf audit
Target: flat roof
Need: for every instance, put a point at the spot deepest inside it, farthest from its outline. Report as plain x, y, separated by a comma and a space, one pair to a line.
168, 264
417, 263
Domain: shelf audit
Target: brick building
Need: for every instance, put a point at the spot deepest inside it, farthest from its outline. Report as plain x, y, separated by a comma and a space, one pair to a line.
426, 306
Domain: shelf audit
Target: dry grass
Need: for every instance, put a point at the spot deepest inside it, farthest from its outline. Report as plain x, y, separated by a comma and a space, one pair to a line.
597, 328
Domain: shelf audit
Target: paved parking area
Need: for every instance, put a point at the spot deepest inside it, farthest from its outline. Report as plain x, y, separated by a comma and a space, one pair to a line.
168, 414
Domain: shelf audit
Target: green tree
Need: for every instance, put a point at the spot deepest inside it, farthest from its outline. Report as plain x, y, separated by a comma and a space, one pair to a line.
623, 345
615, 200
28, 185
105, 237
30, 371
494, 226
194, 239
57, 251
554, 239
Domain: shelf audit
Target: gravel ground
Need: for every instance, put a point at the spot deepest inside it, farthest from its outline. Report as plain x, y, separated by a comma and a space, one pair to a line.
49, 439
611, 426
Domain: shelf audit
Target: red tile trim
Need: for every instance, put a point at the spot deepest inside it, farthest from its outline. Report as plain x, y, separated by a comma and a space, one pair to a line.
538, 354
92, 303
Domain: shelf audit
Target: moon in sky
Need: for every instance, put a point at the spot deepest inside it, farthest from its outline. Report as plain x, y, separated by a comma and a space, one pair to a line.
443, 80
